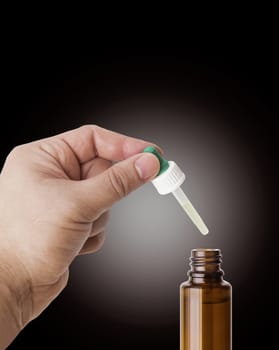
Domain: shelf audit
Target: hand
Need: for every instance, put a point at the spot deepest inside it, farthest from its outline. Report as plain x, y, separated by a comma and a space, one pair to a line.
55, 195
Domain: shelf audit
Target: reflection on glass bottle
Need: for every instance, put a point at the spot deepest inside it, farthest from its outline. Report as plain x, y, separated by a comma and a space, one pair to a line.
205, 304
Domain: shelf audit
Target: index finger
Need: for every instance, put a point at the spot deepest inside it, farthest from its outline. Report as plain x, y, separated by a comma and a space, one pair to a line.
90, 141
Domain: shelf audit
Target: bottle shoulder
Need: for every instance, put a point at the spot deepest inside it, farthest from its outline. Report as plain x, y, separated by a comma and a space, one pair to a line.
205, 284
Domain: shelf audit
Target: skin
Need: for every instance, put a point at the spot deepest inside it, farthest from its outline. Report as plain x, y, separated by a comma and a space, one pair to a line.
55, 195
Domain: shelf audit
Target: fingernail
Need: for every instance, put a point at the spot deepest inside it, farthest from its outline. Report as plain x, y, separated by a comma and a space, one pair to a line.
147, 166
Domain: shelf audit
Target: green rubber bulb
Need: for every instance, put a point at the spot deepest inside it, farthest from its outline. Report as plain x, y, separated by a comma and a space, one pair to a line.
164, 164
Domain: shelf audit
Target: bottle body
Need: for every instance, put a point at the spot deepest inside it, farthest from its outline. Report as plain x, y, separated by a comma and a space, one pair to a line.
205, 304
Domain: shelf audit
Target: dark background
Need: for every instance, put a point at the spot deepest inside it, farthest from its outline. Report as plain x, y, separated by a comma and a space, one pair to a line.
50, 88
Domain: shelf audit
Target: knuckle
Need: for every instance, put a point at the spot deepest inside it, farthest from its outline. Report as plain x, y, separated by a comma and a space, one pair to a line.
86, 127
17, 151
89, 127
119, 181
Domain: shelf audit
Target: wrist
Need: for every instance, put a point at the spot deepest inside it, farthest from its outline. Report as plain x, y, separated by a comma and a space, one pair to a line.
15, 301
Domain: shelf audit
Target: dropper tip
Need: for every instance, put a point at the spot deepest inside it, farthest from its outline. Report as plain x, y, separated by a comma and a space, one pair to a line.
204, 231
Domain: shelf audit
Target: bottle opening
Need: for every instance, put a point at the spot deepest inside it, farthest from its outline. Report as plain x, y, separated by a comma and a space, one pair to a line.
206, 261
206, 253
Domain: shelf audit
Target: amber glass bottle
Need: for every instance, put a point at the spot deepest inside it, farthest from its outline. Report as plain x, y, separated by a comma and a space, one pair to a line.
205, 304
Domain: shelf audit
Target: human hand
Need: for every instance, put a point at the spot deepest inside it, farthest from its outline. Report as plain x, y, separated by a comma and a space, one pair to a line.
55, 195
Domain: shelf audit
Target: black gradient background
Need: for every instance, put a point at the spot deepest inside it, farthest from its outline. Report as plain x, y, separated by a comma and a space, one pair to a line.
214, 111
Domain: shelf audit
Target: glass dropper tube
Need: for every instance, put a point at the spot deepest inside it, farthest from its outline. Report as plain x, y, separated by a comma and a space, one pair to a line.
185, 203
169, 180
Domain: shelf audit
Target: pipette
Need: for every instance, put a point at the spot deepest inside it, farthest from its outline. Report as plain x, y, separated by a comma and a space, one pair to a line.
168, 180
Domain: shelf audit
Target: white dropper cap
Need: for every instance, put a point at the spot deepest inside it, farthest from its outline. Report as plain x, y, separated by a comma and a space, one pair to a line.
169, 180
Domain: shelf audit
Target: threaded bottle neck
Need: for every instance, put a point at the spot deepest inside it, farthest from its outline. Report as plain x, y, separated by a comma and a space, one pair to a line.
205, 265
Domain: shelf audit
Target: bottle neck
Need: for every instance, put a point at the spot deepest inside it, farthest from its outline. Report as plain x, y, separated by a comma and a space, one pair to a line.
205, 266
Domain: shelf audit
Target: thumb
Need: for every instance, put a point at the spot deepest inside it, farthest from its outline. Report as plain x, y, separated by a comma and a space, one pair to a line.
102, 191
